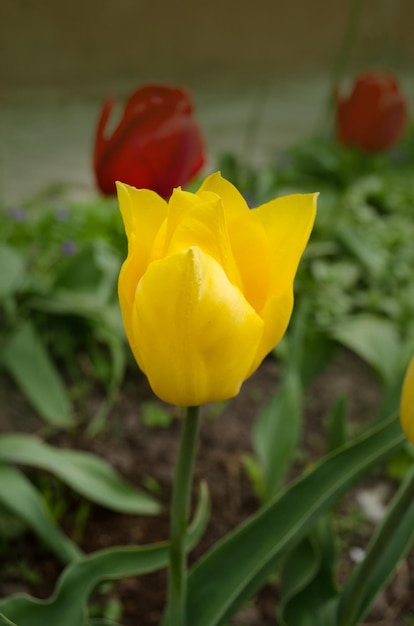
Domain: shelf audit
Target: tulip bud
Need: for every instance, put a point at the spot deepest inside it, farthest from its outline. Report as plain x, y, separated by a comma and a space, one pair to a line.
157, 144
207, 288
374, 116
407, 403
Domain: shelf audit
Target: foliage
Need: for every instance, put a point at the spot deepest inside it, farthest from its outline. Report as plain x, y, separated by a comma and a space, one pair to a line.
58, 307
360, 255
68, 604
61, 325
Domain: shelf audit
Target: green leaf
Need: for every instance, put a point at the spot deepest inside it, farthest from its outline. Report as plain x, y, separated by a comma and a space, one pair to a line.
86, 473
373, 339
319, 350
79, 272
308, 578
277, 430
6, 622
67, 606
255, 474
392, 539
19, 497
26, 359
336, 424
155, 415
12, 270
100, 621
354, 242
229, 575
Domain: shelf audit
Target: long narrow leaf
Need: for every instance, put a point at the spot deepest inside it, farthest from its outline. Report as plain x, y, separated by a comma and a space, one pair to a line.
308, 578
86, 473
27, 361
12, 274
234, 569
277, 430
67, 606
6, 622
393, 538
19, 496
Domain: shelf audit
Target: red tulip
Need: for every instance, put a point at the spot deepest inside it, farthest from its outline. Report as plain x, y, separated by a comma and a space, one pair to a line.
157, 144
374, 116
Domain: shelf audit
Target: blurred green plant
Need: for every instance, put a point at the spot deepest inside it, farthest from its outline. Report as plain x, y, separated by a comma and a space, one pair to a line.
58, 303
85, 473
360, 257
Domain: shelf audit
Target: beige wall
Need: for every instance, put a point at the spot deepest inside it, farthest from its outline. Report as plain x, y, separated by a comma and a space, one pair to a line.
85, 45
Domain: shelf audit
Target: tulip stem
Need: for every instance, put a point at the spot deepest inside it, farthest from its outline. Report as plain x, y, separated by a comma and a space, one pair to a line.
342, 60
181, 496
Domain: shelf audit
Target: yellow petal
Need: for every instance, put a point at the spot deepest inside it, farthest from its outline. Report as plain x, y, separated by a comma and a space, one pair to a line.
233, 202
143, 212
407, 403
250, 247
198, 221
276, 316
288, 222
197, 335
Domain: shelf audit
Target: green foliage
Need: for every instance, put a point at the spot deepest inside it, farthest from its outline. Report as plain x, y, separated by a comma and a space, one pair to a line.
12, 274
277, 431
86, 473
58, 288
308, 588
6, 622
27, 361
68, 605
356, 279
375, 340
58, 308
155, 416
19, 496
218, 588
389, 544
361, 254
336, 425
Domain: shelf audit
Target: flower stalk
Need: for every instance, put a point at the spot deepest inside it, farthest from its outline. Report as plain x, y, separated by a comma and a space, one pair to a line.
181, 496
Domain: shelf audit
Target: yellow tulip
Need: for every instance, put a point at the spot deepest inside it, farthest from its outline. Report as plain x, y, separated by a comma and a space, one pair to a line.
206, 291
407, 402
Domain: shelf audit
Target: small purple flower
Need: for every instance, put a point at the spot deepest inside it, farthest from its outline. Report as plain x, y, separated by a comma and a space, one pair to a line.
69, 247
17, 214
62, 214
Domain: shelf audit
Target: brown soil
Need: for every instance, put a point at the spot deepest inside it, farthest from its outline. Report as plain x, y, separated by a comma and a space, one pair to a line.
139, 452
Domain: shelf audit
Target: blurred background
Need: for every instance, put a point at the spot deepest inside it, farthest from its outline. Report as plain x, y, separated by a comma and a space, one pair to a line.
260, 75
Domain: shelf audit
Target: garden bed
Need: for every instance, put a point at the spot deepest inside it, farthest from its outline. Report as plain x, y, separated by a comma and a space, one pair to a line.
146, 455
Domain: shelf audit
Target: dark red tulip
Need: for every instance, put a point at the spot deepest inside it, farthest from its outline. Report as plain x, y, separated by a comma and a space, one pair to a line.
157, 144
374, 116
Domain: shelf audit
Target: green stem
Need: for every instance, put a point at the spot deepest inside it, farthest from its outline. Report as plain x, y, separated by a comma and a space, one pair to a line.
345, 50
342, 59
177, 588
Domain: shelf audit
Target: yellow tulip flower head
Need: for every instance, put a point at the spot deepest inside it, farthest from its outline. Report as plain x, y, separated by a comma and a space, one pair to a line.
207, 288
407, 403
